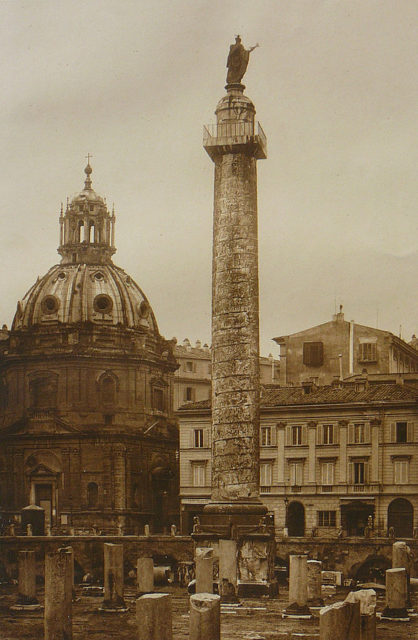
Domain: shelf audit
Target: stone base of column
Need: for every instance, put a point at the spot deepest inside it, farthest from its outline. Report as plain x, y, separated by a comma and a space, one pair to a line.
395, 615
26, 604
113, 608
246, 524
297, 612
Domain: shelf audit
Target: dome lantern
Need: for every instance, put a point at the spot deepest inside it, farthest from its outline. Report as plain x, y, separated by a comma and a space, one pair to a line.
87, 229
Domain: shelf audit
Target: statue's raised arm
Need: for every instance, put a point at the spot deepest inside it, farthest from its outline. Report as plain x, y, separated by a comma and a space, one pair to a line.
237, 62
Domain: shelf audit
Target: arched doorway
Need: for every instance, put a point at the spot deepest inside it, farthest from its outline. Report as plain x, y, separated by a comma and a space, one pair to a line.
296, 519
401, 517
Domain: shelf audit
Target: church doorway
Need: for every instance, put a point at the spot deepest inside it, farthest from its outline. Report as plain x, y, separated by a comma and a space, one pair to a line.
401, 517
296, 520
43, 498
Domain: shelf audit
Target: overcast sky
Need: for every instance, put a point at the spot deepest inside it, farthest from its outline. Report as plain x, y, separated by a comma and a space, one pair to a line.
335, 86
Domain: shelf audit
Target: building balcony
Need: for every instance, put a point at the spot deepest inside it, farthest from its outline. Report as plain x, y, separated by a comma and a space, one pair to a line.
233, 136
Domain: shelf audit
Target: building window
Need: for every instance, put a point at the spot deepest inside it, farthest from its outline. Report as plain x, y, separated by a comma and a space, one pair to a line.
367, 352
401, 471
189, 394
296, 434
359, 433
327, 474
158, 399
108, 390
313, 354
296, 474
359, 469
327, 518
198, 438
92, 495
328, 434
266, 475
189, 366
199, 474
266, 440
401, 432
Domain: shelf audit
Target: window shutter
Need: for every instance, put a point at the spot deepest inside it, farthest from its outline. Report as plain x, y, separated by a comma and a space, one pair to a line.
350, 433
393, 432
336, 434
367, 432
366, 472
205, 437
288, 435
410, 431
319, 434
351, 473
192, 438
304, 434
273, 435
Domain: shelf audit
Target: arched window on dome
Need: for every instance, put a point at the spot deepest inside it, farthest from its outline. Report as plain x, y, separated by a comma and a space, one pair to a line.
91, 237
92, 495
108, 389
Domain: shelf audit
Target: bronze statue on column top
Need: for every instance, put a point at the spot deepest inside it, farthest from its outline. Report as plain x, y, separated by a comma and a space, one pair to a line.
237, 62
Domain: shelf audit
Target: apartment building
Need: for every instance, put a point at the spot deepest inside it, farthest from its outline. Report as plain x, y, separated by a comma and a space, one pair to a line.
339, 349
333, 459
192, 380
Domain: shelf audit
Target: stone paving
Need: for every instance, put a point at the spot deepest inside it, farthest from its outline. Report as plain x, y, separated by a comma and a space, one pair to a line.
255, 620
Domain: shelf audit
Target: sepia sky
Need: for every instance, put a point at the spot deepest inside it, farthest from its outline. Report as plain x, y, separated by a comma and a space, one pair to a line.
335, 86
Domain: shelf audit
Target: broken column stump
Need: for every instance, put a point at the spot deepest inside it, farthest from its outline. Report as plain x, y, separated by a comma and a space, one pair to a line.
396, 595
154, 616
145, 575
204, 569
298, 588
58, 623
205, 617
340, 621
113, 578
26, 599
314, 583
367, 600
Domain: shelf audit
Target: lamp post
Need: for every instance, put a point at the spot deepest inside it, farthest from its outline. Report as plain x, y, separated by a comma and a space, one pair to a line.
286, 516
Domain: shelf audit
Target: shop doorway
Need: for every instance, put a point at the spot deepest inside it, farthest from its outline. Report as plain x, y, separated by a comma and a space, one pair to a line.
354, 517
296, 520
401, 517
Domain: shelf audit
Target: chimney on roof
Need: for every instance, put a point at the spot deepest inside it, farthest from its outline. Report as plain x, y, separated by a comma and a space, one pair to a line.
308, 386
339, 317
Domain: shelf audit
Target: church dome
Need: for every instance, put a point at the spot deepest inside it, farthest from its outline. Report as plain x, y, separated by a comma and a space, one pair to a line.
78, 293
86, 287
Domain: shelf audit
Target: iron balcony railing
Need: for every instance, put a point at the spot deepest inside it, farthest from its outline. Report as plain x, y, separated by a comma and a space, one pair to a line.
237, 132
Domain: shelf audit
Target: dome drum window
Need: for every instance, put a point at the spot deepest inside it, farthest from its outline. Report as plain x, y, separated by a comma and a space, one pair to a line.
103, 303
50, 304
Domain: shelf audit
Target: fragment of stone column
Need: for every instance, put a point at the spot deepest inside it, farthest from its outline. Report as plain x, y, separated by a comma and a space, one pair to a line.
204, 569
367, 600
113, 578
154, 616
205, 617
145, 575
340, 621
298, 588
58, 595
402, 558
26, 598
314, 583
396, 595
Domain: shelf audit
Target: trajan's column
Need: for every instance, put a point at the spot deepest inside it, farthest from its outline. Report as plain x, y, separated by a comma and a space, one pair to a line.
235, 143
